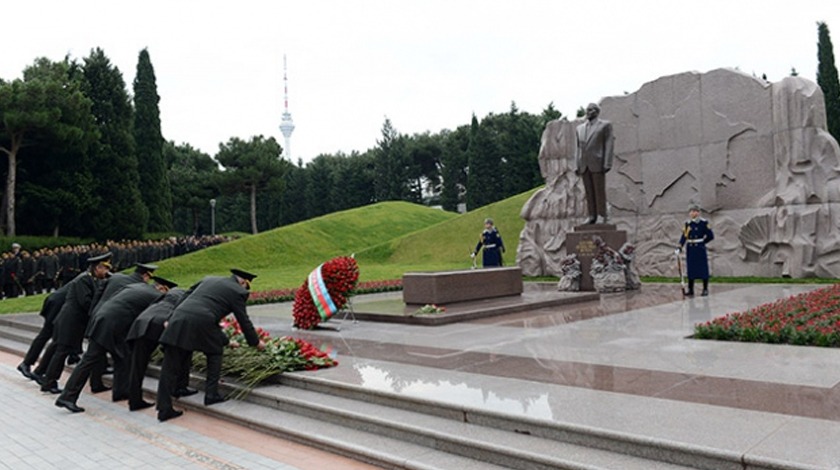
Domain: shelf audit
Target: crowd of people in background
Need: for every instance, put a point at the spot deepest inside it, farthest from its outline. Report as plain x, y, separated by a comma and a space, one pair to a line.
43, 270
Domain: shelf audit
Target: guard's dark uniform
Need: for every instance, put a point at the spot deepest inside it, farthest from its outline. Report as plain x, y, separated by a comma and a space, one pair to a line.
107, 332
194, 326
491, 246
49, 310
70, 324
696, 233
143, 337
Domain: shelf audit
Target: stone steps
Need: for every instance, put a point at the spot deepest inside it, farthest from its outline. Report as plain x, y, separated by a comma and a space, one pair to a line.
398, 431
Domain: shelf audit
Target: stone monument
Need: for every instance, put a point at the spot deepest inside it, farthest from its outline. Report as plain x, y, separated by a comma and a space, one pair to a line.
755, 155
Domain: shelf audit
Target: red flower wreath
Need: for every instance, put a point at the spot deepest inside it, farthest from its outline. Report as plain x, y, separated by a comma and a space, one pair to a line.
340, 276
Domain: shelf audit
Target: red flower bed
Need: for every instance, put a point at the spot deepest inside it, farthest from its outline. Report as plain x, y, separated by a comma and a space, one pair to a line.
340, 277
810, 319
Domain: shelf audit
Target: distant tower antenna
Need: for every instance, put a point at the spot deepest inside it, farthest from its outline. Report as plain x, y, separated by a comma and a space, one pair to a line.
287, 126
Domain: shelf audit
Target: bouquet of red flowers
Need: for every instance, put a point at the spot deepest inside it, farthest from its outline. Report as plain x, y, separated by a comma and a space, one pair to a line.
251, 366
324, 292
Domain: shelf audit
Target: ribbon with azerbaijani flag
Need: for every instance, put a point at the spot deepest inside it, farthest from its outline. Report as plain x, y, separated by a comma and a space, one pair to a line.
320, 295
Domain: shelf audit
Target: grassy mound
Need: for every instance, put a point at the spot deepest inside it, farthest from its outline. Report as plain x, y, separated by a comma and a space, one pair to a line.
388, 239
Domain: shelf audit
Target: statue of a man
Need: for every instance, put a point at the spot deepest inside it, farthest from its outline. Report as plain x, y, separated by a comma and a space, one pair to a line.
593, 159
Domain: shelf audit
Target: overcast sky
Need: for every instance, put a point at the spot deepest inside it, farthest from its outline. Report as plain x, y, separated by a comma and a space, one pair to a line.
427, 65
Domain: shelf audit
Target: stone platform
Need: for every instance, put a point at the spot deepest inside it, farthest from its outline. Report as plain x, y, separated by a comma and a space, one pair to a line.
446, 287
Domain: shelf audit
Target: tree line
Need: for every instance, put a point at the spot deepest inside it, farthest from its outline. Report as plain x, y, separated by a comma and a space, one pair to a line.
84, 157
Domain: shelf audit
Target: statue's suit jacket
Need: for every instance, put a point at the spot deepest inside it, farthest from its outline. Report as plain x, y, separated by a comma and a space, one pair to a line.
594, 153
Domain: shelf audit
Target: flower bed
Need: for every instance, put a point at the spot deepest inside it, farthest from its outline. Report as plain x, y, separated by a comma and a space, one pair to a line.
251, 366
808, 319
287, 295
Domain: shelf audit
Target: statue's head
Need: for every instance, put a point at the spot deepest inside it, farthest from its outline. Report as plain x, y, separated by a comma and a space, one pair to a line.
592, 111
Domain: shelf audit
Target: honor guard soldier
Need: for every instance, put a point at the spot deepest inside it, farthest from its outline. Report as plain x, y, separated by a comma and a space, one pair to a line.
491, 245
695, 235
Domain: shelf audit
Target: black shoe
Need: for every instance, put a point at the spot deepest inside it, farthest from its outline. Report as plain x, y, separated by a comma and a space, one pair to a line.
591, 220
184, 392
24, 369
37, 376
73, 359
165, 415
100, 389
140, 406
213, 399
119, 398
689, 293
62, 403
705, 293
51, 388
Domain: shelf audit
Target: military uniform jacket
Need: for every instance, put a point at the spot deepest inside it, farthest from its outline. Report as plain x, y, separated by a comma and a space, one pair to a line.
52, 304
109, 326
194, 324
72, 319
114, 284
149, 324
491, 244
696, 233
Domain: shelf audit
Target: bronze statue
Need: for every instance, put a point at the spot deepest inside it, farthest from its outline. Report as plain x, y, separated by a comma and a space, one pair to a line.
593, 159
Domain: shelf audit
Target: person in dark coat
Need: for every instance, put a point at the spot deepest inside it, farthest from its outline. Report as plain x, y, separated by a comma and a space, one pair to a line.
194, 326
144, 337
107, 332
72, 319
491, 245
697, 232
117, 281
49, 310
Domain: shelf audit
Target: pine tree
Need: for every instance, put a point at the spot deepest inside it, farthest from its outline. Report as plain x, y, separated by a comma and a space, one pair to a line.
154, 179
390, 165
119, 209
828, 81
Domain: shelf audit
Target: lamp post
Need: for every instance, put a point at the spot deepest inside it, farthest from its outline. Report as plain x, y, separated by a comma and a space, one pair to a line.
212, 217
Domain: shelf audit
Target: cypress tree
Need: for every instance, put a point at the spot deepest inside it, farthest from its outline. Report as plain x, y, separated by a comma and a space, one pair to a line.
828, 81
119, 210
154, 179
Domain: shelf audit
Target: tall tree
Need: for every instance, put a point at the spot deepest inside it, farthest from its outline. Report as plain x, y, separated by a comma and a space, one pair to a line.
251, 166
424, 155
454, 167
293, 199
828, 81
120, 212
46, 103
154, 178
484, 159
194, 176
390, 165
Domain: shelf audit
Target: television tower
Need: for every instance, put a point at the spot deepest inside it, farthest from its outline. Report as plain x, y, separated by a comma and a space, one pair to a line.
286, 123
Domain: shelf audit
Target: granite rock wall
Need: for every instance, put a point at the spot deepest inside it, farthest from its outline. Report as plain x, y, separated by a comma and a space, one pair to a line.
755, 155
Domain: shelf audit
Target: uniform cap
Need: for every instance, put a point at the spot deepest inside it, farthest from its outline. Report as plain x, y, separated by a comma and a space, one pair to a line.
694, 207
145, 268
243, 274
104, 259
164, 282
